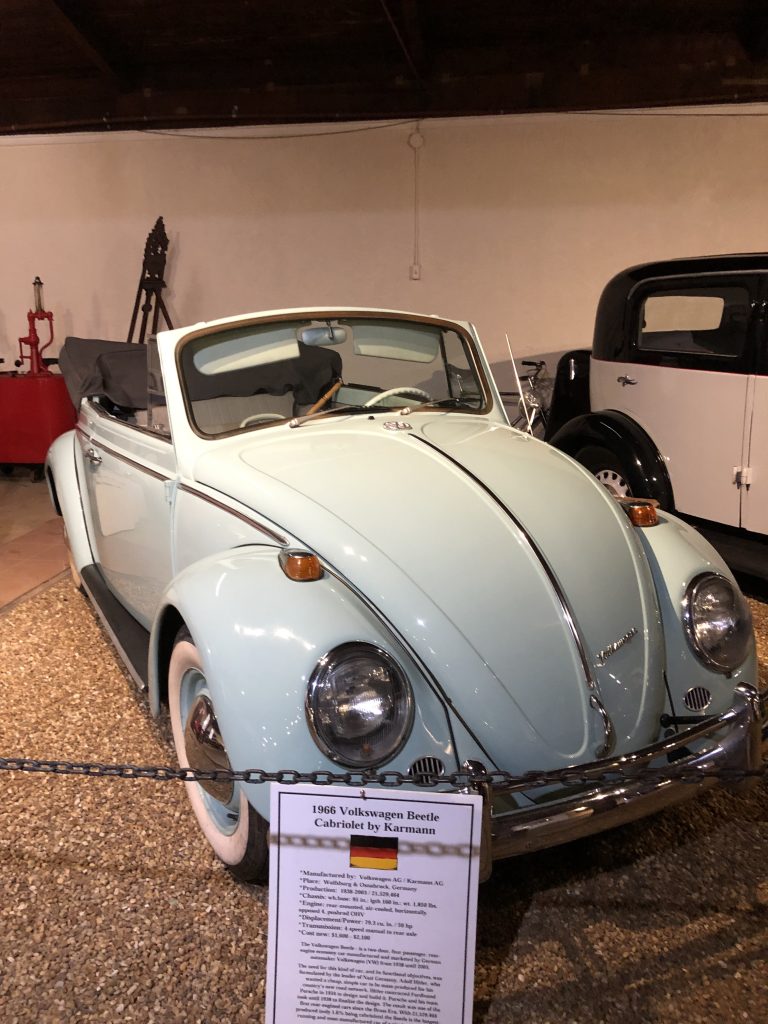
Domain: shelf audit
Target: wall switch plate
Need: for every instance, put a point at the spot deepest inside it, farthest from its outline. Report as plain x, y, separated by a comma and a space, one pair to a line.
415, 271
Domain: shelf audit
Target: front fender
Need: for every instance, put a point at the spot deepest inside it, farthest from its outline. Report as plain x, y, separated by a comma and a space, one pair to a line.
260, 636
676, 553
644, 465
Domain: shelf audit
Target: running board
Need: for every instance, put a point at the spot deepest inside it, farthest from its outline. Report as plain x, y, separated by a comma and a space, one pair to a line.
127, 634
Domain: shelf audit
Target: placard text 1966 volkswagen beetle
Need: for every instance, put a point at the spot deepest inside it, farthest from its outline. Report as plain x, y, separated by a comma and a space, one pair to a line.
315, 536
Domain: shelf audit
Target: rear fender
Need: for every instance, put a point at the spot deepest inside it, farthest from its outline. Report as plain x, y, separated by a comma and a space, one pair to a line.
644, 465
570, 395
64, 488
260, 637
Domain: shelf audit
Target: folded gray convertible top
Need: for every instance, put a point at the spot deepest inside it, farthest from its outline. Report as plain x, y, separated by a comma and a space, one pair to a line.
116, 370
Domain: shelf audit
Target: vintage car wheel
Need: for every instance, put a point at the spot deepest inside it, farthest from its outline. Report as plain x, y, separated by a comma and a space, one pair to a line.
608, 470
238, 835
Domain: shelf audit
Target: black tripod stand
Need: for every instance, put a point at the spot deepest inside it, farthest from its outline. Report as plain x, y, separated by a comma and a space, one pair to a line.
151, 283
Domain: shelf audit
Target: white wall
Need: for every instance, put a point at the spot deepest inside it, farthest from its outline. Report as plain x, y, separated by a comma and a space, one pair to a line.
523, 219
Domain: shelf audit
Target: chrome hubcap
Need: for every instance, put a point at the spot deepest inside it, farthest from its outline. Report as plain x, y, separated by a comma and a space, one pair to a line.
615, 482
205, 749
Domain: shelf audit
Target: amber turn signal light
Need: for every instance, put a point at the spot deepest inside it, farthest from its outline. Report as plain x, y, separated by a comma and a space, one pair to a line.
301, 566
641, 511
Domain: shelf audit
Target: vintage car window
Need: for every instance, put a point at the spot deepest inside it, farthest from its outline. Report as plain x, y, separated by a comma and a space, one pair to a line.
157, 410
711, 323
462, 381
246, 347
682, 313
254, 376
390, 339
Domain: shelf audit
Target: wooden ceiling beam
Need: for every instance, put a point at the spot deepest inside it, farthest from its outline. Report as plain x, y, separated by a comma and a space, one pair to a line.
489, 94
384, 72
422, 60
413, 32
91, 48
407, 46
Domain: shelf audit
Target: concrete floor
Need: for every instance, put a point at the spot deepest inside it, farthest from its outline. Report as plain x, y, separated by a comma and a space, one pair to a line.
32, 549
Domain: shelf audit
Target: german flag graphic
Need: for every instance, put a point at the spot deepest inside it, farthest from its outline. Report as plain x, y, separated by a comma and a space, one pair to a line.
373, 852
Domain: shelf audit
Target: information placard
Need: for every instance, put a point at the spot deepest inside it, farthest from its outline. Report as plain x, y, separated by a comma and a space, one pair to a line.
372, 905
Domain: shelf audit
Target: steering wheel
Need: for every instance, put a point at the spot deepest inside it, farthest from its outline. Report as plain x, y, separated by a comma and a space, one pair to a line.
261, 417
405, 390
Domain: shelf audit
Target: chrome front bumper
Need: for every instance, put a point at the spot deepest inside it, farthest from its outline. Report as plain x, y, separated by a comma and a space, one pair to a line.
741, 734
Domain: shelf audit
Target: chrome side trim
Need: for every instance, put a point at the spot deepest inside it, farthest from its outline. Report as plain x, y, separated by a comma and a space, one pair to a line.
97, 410
276, 537
741, 734
99, 444
595, 699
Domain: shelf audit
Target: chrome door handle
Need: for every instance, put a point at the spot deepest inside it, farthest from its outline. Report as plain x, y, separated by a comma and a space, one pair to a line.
93, 456
625, 380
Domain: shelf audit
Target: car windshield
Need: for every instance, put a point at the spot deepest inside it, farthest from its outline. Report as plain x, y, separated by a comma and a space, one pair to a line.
266, 372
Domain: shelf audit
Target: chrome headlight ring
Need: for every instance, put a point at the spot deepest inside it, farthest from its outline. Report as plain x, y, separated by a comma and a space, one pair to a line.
359, 705
717, 622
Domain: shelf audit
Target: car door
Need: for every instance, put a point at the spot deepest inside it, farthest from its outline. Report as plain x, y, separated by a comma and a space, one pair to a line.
128, 484
754, 475
685, 376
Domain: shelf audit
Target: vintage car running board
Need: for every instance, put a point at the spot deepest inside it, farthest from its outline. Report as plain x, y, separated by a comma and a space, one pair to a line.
129, 637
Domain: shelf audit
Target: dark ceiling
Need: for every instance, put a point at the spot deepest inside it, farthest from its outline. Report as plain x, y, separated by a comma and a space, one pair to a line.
69, 65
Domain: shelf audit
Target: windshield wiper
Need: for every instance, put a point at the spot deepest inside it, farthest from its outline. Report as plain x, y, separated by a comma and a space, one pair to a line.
347, 410
444, 403
352, 410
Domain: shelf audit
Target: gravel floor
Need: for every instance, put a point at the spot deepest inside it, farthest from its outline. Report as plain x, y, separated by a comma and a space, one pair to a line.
113, 909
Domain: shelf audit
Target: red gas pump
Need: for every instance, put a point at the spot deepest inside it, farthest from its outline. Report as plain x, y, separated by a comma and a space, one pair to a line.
36, 364
35, 406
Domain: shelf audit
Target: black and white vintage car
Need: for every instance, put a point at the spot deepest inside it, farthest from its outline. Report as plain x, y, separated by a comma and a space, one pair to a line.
672, 403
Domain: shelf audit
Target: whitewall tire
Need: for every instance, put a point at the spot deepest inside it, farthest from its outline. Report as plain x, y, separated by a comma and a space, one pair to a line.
238, 835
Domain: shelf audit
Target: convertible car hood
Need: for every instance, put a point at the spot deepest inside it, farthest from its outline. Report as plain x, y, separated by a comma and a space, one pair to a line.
510, 573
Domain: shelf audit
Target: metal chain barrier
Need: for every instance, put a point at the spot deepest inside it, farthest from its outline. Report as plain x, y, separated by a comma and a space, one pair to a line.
388, 779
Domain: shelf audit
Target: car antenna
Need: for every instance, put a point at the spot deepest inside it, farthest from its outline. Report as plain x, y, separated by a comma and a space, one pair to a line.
526, 410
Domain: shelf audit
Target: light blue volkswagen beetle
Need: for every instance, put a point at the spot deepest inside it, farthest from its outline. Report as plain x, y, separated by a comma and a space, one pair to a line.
314, 535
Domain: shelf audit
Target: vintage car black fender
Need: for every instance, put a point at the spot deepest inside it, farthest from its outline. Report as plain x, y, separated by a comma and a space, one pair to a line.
622, 445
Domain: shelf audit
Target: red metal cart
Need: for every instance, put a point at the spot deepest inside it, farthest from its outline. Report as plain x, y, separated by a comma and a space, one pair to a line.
34, 404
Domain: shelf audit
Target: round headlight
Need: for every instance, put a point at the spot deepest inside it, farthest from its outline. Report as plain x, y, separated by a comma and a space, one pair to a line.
359, 705
718, 622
